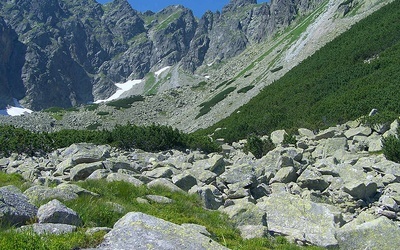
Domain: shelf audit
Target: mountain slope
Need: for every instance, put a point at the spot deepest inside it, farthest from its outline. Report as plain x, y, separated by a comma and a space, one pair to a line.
348, 77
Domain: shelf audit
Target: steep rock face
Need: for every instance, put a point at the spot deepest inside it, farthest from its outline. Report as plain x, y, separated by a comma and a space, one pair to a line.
72, 52
10, 64
244, 22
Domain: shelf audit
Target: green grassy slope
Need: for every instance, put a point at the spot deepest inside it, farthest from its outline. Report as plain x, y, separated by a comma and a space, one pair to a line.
344, 80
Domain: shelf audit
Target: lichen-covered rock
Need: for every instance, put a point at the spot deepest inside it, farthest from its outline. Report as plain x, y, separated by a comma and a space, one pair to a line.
312, 180
84, 170
86, 153
380, 233
164, 183
160, 172
185, 181
246, 213
15, 208
253, 231
56, 212
64, 192
361, 190
285, 175
215, 164
302, 220
210, 196
243, 174
140, 231
124, 177
159, 199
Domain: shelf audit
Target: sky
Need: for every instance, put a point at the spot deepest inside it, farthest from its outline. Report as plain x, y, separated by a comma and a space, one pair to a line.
199, 7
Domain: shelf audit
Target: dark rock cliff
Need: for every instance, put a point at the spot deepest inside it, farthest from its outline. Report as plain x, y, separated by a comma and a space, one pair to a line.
69, 52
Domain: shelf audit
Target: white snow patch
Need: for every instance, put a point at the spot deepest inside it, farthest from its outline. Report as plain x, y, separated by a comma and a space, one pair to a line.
157, 73
16, 110
122, 88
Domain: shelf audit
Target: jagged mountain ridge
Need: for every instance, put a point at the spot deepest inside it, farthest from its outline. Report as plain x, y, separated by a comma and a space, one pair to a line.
72, 52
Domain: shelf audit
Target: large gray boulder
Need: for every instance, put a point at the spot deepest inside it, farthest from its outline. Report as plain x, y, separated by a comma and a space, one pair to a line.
164, 183
367, 233
215, 164
330, 147
301, 220
124, 177
285, 175
360, 190
15, 208
141, 232
64, 192
86, 153
312, 179
359, 131
84, 170
243, 174
185, 181
246, 213
56, 212
209, 195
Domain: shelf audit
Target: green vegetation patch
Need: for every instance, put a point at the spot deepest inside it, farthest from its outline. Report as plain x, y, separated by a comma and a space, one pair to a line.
343, 81
12, 239
276, 69
206, 106
103, 113
164, 24
200, 85
245, 89
91, 107
225, 83
151, 138
93, 126
11, 179
126, 102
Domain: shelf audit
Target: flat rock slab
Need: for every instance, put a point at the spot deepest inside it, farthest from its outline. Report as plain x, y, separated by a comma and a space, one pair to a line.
142, 232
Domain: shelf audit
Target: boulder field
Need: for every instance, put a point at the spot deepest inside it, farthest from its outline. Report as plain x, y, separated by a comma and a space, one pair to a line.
333, 189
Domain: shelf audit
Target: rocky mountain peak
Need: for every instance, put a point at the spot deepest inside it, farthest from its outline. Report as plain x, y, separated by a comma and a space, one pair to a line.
236, 4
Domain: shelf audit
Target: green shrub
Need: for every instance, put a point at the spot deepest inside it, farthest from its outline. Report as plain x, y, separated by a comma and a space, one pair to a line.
150, 138
391, 147
206, 106
126, 102
257, 146
245, 89
54, 110
91, 107
385, 117
276, 69
200, 85
289, 139
93, 126
103, 113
